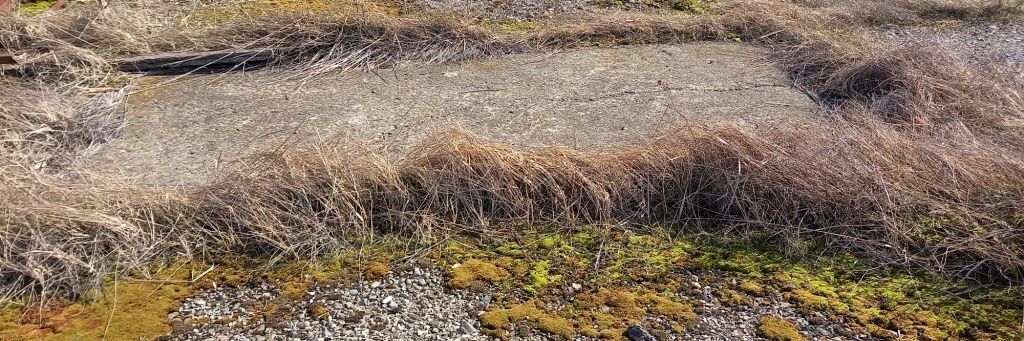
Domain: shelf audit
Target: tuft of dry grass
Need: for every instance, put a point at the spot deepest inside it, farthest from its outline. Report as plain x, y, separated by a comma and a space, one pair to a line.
45, 130
918, 164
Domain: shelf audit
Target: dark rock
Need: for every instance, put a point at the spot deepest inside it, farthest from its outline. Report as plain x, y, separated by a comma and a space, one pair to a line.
815, 320
638, 333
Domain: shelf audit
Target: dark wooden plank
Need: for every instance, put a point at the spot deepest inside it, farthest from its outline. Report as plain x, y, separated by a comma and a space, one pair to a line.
57, 6
7, 59
183, 62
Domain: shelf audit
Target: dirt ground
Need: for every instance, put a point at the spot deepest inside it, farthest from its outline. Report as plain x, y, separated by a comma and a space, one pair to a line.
182, 130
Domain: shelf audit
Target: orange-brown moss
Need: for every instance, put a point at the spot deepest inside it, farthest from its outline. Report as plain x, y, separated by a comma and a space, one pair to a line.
752, 287
123, 310
376, 270
675, 311
475, 270
294, 290
612, 310
732, 297
777, 329
319, 311
496, 322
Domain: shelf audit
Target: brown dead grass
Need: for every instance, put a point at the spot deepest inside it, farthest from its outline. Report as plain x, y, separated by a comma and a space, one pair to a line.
919, 163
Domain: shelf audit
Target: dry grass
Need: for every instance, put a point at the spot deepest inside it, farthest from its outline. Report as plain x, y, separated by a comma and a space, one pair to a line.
919, 164
44, 130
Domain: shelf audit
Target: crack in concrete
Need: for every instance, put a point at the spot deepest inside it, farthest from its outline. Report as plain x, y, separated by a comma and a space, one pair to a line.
688, 88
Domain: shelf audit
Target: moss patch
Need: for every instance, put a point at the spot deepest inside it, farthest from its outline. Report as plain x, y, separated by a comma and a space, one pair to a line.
752, 287
873, 301
30, 7
626, 276
475, 270
777, 329
616, 278
124, 310
540, 277
495, 322
376, 270
605, 313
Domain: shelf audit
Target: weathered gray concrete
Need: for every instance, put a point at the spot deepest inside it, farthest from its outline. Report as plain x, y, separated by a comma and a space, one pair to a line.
178, 133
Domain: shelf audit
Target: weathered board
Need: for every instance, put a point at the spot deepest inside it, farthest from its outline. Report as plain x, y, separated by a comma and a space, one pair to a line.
7, 59
176, 63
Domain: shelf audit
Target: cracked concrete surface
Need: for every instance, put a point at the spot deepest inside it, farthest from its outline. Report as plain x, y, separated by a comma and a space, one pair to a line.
179, 132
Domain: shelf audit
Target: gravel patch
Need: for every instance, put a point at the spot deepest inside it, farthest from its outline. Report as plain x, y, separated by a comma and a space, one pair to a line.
411, 306
982, 41
720, 321
415, 305
501, 10
507, 10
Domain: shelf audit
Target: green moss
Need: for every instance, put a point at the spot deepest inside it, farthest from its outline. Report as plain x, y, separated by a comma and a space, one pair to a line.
30, 7
549, 242
884, 304
294, 289
583, 239
875, 301
510, 250
454, 247
740, 261
541, 277
623, 303
777, 329
732, 297
611, 310
606, 261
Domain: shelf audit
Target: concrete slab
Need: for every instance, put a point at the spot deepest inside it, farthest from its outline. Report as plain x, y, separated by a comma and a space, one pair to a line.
179, 133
